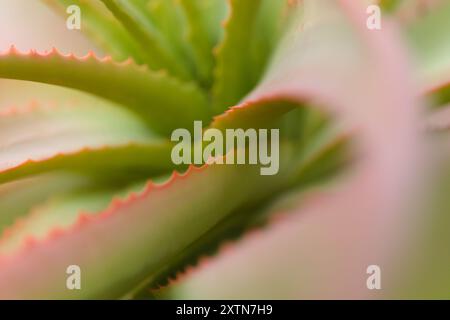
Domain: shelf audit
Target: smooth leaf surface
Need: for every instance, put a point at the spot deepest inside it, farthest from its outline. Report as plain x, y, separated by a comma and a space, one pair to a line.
162, 101
233, 73
19, 197
333, 62
37, 139
204, 20
102, 28
114, 259
430, 38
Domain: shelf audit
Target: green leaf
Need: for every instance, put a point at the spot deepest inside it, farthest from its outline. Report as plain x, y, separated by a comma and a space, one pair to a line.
429, 36
204, 18
59, 212
102, 28
148, 231
40, 139
269, 26
156, 48
233, 75
169, 18
332, 63
18, 197
163, 102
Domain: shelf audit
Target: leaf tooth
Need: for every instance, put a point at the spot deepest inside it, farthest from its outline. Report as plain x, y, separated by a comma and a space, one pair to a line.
229, 245
91, 55
85, 219
438, 121
225, 248
29, 242
221, 120
9, 231
55, 232
12, 50
55, 52
21, 222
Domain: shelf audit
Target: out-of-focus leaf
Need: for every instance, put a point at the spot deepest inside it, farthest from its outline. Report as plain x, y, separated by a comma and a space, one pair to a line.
59, 212
170, 19
407, 11
439, 120
134, 231
39, 139
102, 28
18, 197
361, 78
156, 48
269, 25
162, 101
237, 68
427, 261
204, 18
430, 39
389, 5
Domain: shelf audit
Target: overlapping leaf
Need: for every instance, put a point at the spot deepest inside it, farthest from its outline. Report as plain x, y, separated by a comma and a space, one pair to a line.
204, 18
358, 77
237, 69
60, 211
156, 48
102, 28
162, 101
330, 233
430, 39
18, 197
38, 139
131, 238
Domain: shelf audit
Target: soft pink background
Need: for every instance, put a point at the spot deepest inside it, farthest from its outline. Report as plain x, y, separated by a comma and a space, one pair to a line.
29, 24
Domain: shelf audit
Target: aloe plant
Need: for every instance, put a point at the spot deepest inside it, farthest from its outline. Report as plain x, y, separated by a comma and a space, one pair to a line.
89, 180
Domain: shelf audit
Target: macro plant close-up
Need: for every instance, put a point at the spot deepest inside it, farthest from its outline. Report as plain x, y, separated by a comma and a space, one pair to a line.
224, 149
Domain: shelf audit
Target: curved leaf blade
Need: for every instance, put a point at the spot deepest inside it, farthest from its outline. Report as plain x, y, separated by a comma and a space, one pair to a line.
163, 102
429, 36
204, 19
154, 45
38, 139
334, 62
102, 28
233, 74
18, 197
144, 244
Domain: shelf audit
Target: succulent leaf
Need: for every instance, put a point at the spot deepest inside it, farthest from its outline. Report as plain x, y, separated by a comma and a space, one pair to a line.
233, 74
103, 29
204, 18
85, 180
138, 251
37, 139
154, 96
19, 197
154, 46
430, 38
329, 215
